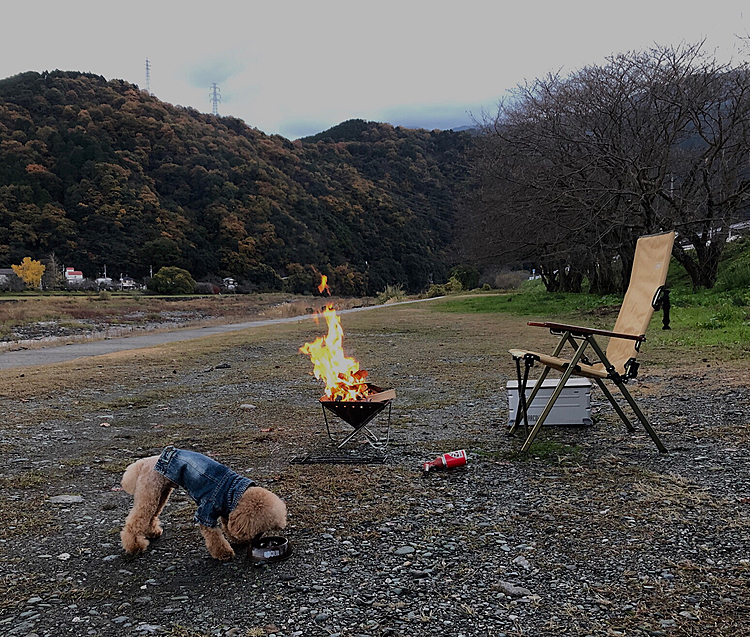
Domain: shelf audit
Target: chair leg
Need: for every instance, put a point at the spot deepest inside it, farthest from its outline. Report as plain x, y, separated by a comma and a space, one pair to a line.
555, 395
641, 417
547, 409
618, 409
522, 407
527, 401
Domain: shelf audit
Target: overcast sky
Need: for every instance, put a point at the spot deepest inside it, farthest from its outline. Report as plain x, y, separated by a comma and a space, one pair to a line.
297, 68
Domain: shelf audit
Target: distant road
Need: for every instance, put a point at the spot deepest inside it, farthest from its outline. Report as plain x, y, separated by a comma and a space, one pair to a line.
62, 353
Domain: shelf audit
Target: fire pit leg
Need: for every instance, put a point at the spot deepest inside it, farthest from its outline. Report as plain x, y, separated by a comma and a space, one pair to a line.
373, 440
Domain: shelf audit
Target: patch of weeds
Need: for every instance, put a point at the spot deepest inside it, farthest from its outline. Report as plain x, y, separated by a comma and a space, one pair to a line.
26, 480
25, 518
16, 588
139, 401
546, 450
117, 466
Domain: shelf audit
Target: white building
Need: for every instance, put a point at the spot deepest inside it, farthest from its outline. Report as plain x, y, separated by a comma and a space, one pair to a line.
73, 276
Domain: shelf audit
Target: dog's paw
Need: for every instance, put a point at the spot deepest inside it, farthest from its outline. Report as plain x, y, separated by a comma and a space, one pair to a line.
133, 544
222, 553
154, 531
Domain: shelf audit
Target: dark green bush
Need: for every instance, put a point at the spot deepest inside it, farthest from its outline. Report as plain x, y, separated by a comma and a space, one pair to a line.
172, 280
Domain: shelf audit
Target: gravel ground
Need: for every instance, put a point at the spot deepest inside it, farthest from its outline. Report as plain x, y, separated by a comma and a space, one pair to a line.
594, 533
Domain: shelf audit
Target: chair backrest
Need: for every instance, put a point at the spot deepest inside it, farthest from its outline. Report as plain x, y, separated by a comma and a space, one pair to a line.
649, 273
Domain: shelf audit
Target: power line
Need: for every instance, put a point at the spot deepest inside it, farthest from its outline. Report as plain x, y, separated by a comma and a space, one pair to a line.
215, 97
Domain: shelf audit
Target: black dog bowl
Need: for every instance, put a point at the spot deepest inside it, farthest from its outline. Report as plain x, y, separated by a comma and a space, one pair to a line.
273, 548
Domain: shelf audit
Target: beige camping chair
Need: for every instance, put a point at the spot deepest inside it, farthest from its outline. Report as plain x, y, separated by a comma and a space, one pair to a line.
645, 294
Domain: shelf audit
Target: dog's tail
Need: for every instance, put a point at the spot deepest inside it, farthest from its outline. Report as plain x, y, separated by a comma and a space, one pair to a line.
130, 477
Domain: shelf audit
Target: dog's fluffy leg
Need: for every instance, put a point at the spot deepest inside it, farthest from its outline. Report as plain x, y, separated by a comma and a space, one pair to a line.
150, 493
216, 543
155, 529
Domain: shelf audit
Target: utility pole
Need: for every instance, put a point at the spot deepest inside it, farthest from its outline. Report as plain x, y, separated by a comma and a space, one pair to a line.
215, 97
148, 77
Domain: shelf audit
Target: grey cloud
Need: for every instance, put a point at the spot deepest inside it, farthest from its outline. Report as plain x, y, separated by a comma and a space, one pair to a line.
303, 128
216, 69
431, 117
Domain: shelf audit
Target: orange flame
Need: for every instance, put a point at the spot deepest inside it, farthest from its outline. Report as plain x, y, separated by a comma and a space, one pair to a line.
324, 284
343, 378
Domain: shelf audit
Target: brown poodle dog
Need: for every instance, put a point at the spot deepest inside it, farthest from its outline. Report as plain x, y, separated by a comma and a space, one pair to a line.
225, 500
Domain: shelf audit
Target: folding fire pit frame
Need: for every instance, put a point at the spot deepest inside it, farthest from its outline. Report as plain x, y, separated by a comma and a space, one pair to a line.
358, 414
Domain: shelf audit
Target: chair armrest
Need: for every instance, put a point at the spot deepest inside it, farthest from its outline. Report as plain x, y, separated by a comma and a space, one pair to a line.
585, 331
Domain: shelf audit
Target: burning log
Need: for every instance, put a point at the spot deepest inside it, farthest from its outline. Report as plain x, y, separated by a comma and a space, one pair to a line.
344, 380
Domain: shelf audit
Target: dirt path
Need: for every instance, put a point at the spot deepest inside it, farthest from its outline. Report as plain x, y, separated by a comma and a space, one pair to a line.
11, 359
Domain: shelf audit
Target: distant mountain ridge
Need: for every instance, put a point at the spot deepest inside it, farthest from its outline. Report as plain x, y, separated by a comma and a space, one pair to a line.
101, 173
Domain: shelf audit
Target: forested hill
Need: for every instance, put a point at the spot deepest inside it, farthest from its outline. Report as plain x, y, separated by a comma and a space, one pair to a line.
101, 173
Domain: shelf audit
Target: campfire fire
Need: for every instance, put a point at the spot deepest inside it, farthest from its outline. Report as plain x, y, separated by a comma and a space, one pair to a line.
347, 395
344, 380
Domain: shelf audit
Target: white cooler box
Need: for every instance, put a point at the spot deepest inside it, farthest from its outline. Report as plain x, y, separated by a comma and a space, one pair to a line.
573, 406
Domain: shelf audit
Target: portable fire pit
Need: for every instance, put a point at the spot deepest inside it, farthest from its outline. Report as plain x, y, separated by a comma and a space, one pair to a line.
358, 414
347, 395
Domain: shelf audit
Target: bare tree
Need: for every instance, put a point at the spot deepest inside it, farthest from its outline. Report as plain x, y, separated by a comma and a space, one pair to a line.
572, 170
53, 278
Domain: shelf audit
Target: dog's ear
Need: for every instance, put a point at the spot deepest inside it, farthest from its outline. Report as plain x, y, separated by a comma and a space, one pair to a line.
258, 511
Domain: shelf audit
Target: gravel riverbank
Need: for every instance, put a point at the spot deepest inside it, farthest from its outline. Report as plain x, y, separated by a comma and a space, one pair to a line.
595, 533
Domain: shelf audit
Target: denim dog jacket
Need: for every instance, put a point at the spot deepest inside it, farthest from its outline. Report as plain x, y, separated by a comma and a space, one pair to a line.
215, 488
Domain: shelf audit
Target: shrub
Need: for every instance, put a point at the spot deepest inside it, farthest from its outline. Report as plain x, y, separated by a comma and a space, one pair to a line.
436, 290
466, 275
510, 280
172, 280
262, 278
736, 276
393, 293
455, 285
11, 283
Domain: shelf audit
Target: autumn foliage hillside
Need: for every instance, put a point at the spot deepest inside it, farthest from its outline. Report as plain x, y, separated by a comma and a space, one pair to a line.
102, 173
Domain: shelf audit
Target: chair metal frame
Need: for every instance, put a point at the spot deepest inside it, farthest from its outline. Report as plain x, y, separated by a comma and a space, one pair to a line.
569, 334
580, 338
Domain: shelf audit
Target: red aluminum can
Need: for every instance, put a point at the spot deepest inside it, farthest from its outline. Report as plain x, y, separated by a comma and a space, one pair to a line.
447, 461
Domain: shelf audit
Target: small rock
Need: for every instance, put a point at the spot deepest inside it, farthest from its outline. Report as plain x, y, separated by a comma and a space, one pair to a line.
522, 562
223, 366
511, 590
65, 499
687, 614
404, 550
